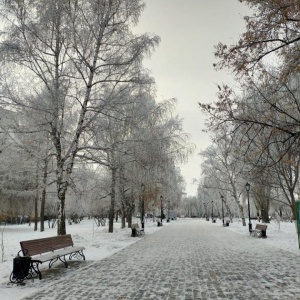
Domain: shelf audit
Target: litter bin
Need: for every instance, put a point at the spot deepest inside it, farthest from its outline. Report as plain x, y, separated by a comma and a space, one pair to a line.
264, 234
21, 267
133, 232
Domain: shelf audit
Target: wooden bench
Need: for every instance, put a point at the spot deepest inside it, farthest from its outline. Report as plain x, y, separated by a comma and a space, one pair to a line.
259, 231
135, 228
50, 249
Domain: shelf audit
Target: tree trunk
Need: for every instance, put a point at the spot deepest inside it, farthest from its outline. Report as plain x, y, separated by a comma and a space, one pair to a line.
236, 199
123, 212
130, 209
242, 214
42, 214
112, 200
61, 219
36, 198
43, 197
129, 218
123, 219
293, 204
122, 196
265, 215
36, 213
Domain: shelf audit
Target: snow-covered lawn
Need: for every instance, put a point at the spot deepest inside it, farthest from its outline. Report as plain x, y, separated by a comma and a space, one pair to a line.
100, 244
279, 234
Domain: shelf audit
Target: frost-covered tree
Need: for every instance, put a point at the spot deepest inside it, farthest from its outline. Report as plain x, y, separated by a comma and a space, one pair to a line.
272, 32
225, 168
64, 60
17, 176
138, 143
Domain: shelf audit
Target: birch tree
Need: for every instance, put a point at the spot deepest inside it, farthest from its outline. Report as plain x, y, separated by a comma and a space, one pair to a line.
224, 162
71, 55
135, 141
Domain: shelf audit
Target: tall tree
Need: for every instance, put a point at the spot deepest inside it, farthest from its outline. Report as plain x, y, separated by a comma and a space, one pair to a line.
273, 30
225, 170
266, 59
70, 56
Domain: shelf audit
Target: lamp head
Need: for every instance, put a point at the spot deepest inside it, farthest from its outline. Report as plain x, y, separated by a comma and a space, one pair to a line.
247, 185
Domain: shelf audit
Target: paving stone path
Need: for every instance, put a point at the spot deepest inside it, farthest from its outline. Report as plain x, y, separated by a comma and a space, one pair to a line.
186, 260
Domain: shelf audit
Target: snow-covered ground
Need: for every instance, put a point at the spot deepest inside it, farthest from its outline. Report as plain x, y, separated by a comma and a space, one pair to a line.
279, 234
100, 244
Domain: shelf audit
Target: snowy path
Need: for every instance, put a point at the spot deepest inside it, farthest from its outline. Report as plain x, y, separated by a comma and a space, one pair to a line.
189, 259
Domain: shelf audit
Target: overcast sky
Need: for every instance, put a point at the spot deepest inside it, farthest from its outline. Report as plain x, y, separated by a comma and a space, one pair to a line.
182, 64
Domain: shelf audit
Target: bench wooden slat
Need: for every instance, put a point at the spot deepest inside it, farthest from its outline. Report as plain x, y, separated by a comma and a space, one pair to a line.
259, 229
43, 245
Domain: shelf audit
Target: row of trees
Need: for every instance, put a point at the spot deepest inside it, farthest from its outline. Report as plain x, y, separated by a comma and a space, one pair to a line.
255, 129
83, 131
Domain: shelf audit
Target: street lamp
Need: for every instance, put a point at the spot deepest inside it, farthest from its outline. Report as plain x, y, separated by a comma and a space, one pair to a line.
212, 211
168, 220
248, 189
143, 207
222, 198
161, 209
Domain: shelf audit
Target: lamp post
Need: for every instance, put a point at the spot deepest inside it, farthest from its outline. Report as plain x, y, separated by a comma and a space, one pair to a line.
248, 189
161, 209
222, 198
168, 220
212, 211
143, 207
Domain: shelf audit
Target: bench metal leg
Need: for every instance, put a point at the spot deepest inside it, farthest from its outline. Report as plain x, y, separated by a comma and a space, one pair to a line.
77, 255
52, 261
63, 260
35, 268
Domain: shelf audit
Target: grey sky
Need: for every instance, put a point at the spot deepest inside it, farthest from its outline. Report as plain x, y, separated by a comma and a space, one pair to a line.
182, 64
